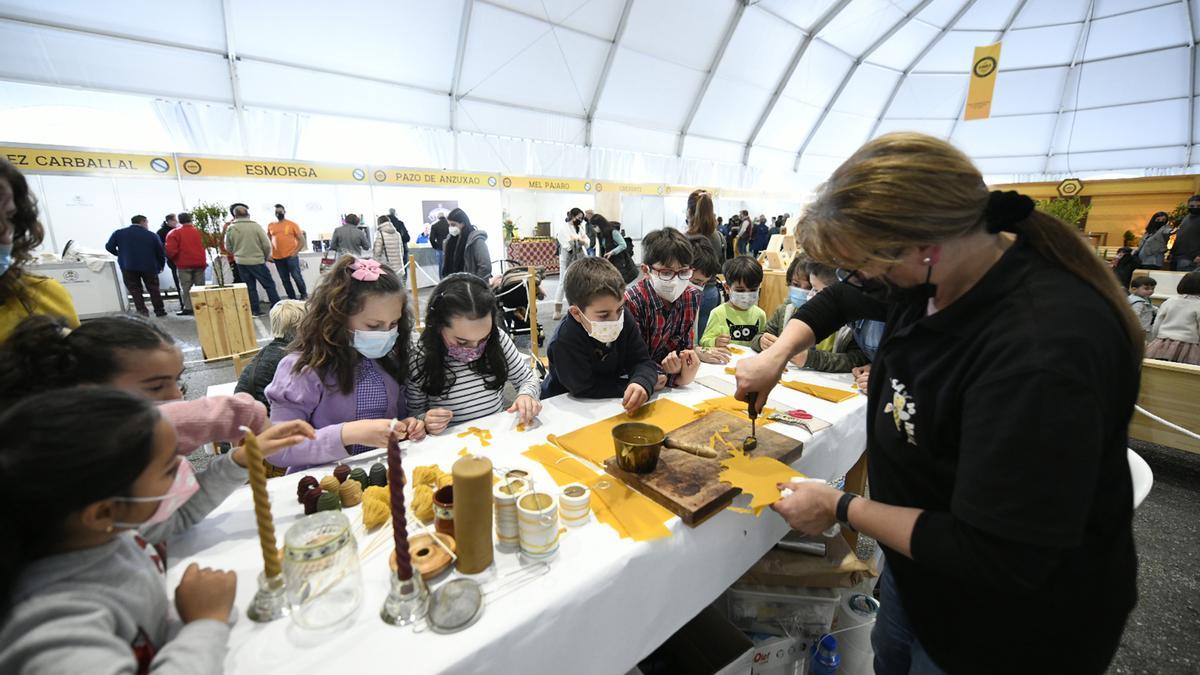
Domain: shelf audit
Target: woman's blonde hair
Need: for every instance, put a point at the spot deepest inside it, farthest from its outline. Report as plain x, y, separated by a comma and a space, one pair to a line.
908, 189
286, 316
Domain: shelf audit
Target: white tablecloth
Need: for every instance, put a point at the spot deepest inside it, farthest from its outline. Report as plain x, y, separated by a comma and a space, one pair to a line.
605, 604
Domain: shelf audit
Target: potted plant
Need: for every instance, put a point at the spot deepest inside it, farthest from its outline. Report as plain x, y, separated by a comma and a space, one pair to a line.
1070, 210
510, 229
209, 218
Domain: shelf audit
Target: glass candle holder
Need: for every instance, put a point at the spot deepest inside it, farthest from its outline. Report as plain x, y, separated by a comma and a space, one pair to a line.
320, 565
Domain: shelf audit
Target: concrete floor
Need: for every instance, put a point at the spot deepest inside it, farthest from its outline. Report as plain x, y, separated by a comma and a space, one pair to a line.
1163, 634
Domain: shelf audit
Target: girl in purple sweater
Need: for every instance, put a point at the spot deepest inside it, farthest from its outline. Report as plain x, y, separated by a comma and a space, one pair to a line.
348, 366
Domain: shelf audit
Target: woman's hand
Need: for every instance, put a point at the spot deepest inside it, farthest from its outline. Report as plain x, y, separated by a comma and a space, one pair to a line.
411, 428
275, 438
526, 407
716, 355
811, 508
759, 374
437, 419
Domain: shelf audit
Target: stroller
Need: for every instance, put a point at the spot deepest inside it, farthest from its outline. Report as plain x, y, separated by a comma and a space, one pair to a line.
513, 297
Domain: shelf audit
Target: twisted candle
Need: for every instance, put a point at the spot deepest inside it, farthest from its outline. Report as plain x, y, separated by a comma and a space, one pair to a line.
262, 505
395, 471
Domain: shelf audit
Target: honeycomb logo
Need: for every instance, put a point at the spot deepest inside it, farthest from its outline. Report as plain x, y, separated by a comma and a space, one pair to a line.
1070, 187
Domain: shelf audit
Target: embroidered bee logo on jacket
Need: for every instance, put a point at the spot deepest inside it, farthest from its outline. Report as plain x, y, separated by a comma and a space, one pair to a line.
903, 410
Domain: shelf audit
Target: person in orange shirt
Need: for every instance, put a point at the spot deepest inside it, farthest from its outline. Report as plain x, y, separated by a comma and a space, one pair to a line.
286, 240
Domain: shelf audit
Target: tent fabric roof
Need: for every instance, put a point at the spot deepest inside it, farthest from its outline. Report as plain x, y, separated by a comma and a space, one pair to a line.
781, 85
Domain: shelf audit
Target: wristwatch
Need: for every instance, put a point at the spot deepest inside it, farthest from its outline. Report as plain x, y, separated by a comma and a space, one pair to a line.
843, 510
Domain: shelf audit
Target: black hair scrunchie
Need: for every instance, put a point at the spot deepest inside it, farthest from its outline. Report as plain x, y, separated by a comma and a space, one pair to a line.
1005, 209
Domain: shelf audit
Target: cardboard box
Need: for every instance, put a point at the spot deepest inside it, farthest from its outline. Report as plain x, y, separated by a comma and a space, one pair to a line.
707, 645
840, 568
774, 655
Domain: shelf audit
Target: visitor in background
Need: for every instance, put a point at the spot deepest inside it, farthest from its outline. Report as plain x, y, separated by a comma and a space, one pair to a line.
760, 237
168, 225
701, 220
1185, 255
141, 256
466, 248
438, 233
348, 239
1175, 335
398, 226
614, 247
591, 231
286, 316
23, 294
731, 233
745, 236
1140, 291
573, 241
1124, 265
389, 246
776, 227
1153, 248
185, 248
286, 241
248, 242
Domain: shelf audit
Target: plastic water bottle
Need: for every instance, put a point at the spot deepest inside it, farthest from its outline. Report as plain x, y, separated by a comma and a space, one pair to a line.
825, 659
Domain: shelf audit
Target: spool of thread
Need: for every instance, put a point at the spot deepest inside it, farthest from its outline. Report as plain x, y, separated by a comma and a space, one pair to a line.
537, 524
305, 483
310, 499
504, 497
329, 501
575, 504
378, 475
473, 513
341, 472
350, 493
360, 476
857, 612
330, 484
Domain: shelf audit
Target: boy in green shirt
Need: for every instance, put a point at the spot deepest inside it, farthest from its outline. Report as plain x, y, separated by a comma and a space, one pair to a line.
739, 320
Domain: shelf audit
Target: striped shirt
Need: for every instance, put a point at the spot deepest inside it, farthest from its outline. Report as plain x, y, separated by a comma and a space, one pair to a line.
468, 398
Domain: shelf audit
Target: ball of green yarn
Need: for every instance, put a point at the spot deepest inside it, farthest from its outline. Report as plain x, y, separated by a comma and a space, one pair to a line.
360, 476
378, 474
329, 501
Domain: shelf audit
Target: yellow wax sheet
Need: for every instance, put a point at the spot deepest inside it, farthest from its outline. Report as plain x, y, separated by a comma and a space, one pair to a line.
615, 504
825, 393
594, 442
731, 405
758, 476
483, 435
735, 350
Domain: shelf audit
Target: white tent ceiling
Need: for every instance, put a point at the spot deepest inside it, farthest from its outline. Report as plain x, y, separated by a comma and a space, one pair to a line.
778, 85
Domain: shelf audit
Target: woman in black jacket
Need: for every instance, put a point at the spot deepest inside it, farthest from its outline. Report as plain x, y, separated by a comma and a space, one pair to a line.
285, 320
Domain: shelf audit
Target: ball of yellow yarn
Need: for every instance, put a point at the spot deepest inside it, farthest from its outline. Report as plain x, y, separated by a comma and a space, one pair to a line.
378, 492
375, 513
330, 484
350, 492
427, 475
422, 503
445, 479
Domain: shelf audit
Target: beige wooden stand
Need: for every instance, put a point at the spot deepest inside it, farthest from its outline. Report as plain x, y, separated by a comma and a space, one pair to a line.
223, 320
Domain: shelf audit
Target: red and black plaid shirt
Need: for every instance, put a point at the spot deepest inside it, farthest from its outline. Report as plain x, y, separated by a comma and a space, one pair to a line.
665, 328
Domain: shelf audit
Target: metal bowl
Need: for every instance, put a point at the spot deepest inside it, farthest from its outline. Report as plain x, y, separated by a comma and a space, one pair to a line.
638, 446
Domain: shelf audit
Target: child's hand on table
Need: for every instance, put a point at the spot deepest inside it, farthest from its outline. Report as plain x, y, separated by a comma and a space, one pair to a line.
862, 376
672, 364
526, 407
275, 438
437, 419
205, 593
636, 396
661, 382
767, 340
722, 341
718, 356
411, 428
371, 433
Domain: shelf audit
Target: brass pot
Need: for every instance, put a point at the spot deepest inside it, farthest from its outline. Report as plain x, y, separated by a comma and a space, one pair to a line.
638, 446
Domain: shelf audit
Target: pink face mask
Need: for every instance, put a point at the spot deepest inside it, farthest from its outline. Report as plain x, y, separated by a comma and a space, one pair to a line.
467, 354
181, 490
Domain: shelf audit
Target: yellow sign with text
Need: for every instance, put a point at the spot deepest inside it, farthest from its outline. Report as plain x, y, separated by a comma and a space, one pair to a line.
631, 188
395, 176
686, 190
195, 166
53, 160
983, 81
546, 184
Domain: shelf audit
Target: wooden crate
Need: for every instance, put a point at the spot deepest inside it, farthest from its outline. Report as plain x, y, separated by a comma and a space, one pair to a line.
1169, 390
223, 320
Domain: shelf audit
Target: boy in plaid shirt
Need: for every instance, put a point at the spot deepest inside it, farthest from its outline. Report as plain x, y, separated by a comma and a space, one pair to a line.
664, 305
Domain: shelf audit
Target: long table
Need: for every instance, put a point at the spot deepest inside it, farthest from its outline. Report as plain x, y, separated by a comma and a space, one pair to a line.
606, 602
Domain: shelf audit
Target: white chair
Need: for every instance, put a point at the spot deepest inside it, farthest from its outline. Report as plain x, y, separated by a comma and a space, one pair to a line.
1143, 477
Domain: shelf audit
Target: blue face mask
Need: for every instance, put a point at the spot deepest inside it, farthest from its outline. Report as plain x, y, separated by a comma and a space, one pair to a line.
375, 344
797, 296
5, 258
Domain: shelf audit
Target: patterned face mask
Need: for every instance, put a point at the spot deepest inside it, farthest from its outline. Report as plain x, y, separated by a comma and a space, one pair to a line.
467, 354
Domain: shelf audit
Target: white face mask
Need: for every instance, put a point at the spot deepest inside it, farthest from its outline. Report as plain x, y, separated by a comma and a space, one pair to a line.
455, 230
606, 331
668, 290
743, 299
375, 344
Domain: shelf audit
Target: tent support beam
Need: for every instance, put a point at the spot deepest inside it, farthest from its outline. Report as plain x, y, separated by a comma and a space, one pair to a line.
801, 48
738, 13
1191, 94
235, 84
1012, 18
912, 66
1076, 62
464, 28
812, 133
608, 61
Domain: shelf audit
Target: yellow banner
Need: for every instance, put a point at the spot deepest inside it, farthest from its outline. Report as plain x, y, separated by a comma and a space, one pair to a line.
631, 188
195, 166
396, 176
983, 80
546, 184
685, 190
53, 160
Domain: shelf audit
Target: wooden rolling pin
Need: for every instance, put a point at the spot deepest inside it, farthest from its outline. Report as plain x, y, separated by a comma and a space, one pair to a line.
692, 448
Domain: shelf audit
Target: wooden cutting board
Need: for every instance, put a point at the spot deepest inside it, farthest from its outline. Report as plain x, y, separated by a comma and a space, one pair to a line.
689, 486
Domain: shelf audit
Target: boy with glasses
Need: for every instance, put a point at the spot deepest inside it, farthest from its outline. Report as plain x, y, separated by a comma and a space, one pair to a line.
664, 304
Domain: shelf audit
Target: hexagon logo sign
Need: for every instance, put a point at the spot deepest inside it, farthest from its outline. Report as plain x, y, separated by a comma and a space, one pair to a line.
1070, 187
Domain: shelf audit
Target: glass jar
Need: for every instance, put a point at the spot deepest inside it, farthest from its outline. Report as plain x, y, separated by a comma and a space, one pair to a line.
321, 569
